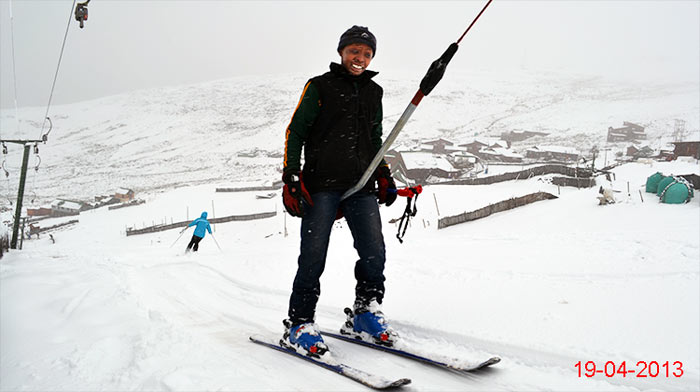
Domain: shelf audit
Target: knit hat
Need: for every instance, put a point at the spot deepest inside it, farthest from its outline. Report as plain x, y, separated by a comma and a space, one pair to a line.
358, 35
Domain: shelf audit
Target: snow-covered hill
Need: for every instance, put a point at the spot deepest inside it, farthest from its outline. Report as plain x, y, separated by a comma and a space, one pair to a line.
543, 286
170, 137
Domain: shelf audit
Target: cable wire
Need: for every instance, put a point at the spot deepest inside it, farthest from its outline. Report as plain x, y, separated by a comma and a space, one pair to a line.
70, 16
14, 68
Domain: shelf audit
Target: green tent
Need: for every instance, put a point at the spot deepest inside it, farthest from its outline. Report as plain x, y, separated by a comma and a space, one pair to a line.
653, 182
666, 181
677, 192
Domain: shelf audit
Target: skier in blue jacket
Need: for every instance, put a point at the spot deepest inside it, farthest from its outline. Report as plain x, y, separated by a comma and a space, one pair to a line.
199, 232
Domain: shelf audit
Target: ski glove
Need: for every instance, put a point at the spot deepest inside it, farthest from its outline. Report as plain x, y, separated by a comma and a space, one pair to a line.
293, 193
386, 186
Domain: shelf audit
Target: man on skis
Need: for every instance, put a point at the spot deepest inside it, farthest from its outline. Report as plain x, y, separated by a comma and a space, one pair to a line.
338, 123
199, 232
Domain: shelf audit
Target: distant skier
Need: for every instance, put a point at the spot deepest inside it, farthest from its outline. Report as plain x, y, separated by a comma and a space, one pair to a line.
199, 232
338, 123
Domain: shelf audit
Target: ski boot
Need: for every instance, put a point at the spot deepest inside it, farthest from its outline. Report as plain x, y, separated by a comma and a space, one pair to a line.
304, 339
367, 323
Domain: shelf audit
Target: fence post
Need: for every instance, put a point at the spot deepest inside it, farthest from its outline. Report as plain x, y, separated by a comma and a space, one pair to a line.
436, 204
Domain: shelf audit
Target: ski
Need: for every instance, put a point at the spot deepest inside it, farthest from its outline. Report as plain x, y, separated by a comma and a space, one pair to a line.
364, 378
435, 360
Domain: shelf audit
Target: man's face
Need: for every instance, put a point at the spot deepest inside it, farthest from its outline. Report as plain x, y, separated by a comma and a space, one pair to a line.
356, 58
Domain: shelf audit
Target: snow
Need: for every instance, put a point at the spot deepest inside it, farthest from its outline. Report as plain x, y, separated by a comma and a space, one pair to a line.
560, 149
542, 286
154, 139
425, 160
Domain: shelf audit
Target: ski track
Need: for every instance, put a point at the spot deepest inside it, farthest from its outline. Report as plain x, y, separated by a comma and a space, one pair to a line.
100, 311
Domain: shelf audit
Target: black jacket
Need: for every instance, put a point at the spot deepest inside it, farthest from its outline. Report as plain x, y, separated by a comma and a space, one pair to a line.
338, 121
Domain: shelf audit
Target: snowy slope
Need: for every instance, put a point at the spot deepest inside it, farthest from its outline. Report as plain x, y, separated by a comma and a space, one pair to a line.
542, 286
170, 137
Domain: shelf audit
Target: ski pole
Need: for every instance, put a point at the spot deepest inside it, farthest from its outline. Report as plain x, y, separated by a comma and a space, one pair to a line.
410, 193
216, 242
430, 80
178, 237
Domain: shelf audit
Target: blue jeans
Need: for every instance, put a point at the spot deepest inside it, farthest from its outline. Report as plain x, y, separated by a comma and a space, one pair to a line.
361, 211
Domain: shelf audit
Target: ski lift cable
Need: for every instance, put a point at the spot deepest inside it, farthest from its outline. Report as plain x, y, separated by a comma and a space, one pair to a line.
58, 66
14, 68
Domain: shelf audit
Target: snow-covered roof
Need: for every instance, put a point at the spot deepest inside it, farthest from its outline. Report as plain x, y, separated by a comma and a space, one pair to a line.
455, 149
122, 191
438, 141
463, 153
425, 160
487, 141
559, 149
500, 151
65, 204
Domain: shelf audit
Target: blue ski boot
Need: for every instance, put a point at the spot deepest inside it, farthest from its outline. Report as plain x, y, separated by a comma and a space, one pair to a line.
368, 324
304, 339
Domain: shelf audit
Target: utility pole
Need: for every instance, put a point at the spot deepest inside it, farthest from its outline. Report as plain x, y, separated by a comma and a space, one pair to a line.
22, 180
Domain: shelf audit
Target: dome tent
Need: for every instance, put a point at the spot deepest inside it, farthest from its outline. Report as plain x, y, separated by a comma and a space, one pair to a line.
666, 181
653, 182
679, 191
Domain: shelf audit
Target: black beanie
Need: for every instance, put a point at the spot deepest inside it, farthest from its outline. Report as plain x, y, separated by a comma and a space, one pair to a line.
358, 35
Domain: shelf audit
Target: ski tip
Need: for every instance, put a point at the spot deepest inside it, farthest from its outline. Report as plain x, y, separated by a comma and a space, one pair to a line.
389, 385
487, 363
400, 383
492, 361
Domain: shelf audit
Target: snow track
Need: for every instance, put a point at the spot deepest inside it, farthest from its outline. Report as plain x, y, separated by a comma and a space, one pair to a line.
101, 311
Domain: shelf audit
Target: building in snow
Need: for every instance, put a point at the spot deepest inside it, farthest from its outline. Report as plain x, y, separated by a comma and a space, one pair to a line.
629, 132
124, 195
687, 149
439, 146
479, 143
420, 166
41, 211
552, 153
61, 207
519, 136
639, 152
500, 154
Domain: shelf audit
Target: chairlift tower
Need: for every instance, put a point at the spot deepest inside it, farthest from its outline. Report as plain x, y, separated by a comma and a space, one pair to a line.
22, 179
679, 130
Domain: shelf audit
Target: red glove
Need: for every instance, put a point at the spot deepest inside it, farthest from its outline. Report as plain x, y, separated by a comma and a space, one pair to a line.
293, 193
385, 185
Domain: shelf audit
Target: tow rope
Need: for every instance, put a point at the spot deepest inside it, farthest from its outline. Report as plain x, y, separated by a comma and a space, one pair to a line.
411, 194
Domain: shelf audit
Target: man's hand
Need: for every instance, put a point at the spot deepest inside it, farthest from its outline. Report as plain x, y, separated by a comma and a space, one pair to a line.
384, 183
293, 194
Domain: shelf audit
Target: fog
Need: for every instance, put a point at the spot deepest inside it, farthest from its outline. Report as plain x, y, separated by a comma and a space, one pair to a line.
127, 45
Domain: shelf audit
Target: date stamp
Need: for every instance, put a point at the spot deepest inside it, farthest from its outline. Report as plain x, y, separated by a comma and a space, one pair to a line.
640, 369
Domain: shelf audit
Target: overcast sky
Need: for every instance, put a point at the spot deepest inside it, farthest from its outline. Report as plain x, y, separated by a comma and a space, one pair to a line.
133, 44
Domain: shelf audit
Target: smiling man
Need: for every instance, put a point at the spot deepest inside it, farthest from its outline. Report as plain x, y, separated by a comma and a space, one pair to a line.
338, 122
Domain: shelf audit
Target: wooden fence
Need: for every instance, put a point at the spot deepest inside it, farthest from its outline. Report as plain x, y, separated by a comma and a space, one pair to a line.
577, 182
128, 204
179, 225
523, 175
493, 208
70, 222
251, 188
